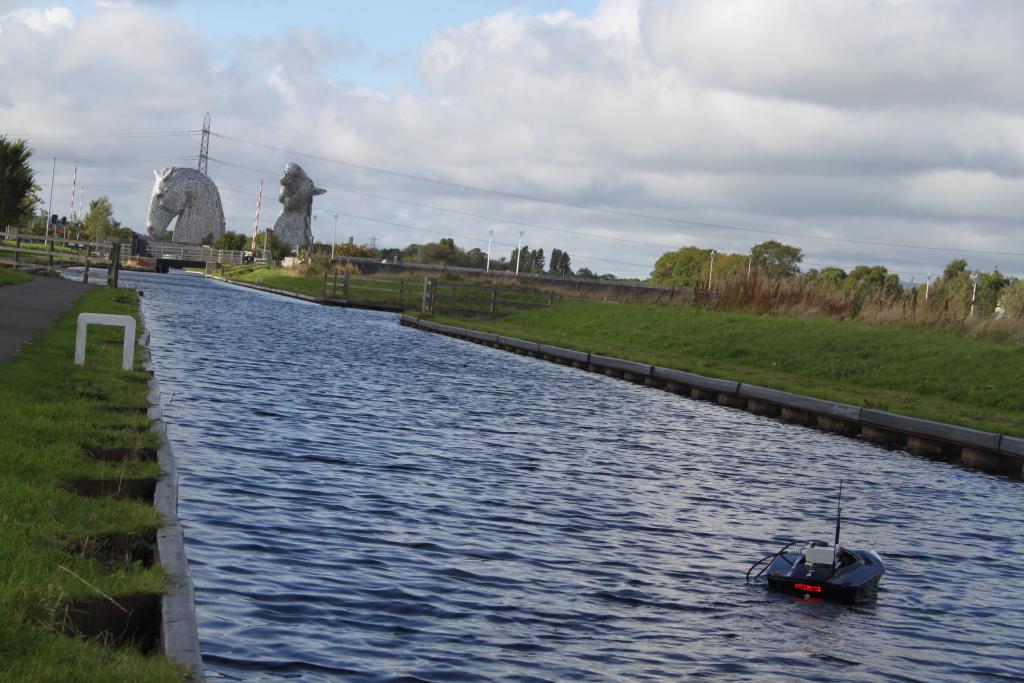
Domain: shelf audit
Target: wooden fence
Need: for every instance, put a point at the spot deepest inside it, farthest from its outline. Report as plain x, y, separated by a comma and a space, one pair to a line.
467, 299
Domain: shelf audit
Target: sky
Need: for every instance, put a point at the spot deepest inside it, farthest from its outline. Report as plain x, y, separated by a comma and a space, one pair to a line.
868, 132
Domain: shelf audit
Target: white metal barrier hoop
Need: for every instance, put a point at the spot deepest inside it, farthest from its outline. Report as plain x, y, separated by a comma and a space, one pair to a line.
125, 321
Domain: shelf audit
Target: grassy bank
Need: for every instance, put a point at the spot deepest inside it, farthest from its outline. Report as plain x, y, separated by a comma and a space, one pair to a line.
9, 276
55, 546
937, 376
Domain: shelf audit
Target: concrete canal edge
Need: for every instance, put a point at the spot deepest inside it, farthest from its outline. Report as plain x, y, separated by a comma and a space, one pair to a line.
179, 632
993, 453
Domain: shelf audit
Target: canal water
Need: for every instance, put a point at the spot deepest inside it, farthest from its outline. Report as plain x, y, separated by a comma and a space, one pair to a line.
368, 502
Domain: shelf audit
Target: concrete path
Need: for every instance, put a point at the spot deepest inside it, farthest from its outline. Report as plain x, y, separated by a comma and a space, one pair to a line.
31, 307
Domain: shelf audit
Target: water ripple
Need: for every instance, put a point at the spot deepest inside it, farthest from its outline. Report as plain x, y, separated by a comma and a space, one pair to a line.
368, 502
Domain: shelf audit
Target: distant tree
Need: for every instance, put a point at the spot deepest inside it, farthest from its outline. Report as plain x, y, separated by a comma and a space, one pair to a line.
832, 276
232, 241
686, 267
18, 197
353, 250
390, 254
563, 266
556, 256
537, 261
99, 223
277, 247
954, 269
990, 289
586, 273
873, 279
777, 260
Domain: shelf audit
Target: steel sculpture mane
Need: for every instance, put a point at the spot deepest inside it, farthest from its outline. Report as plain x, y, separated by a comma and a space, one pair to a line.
193, 198
297, 192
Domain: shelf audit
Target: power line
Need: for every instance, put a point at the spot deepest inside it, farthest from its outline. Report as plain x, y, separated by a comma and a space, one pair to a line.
606, 210
100, 136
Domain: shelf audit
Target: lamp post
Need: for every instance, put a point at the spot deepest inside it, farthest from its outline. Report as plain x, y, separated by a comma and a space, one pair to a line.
490, 236
49, 206
519, 252
974, 292
334, 237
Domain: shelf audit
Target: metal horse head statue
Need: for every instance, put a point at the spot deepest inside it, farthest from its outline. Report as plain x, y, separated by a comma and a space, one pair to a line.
297, 192
193, 198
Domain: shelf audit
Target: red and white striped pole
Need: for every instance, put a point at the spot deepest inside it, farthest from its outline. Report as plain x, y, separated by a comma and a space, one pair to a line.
256, 223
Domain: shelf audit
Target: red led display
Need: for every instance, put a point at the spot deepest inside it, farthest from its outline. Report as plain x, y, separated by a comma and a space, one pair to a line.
807, 588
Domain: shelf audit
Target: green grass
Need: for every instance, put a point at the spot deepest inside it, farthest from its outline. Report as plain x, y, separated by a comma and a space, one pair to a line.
51, 410
9, 276
452, 292
945, 377
379, 289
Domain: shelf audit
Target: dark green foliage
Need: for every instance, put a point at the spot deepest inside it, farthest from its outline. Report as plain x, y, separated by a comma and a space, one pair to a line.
877, 279
269, 240
99, 223
686, 267
18, 197
233, 241
777, 260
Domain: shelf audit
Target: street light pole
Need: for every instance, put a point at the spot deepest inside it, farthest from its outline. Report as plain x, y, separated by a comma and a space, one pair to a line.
49, 207
490, 236
974, 293
519, 252
334, 238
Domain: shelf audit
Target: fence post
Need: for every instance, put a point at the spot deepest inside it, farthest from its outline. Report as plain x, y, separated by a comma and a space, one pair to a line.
428, 294
324, 295
401, 289
344, 287
85, 276
550, 299
494, 296
17, 249
334, 285
115, 264
52, 247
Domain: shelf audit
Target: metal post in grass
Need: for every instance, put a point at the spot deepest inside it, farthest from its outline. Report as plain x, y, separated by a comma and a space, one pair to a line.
494, 296
334, 286
344, 287
401, 289
325, 284
17, 249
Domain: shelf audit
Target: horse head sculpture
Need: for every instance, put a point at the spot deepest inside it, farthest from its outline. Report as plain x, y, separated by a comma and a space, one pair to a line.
193, 198
297, 192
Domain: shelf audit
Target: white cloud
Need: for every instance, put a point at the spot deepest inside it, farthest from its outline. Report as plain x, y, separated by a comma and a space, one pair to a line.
875, 120
45, 21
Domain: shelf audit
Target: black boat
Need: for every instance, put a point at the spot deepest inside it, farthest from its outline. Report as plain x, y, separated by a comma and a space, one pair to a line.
816, 569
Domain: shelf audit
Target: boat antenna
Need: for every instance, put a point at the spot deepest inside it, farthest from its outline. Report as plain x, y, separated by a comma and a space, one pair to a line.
839, 518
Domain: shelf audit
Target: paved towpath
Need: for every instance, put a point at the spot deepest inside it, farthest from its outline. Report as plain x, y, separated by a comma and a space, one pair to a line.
29, 308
